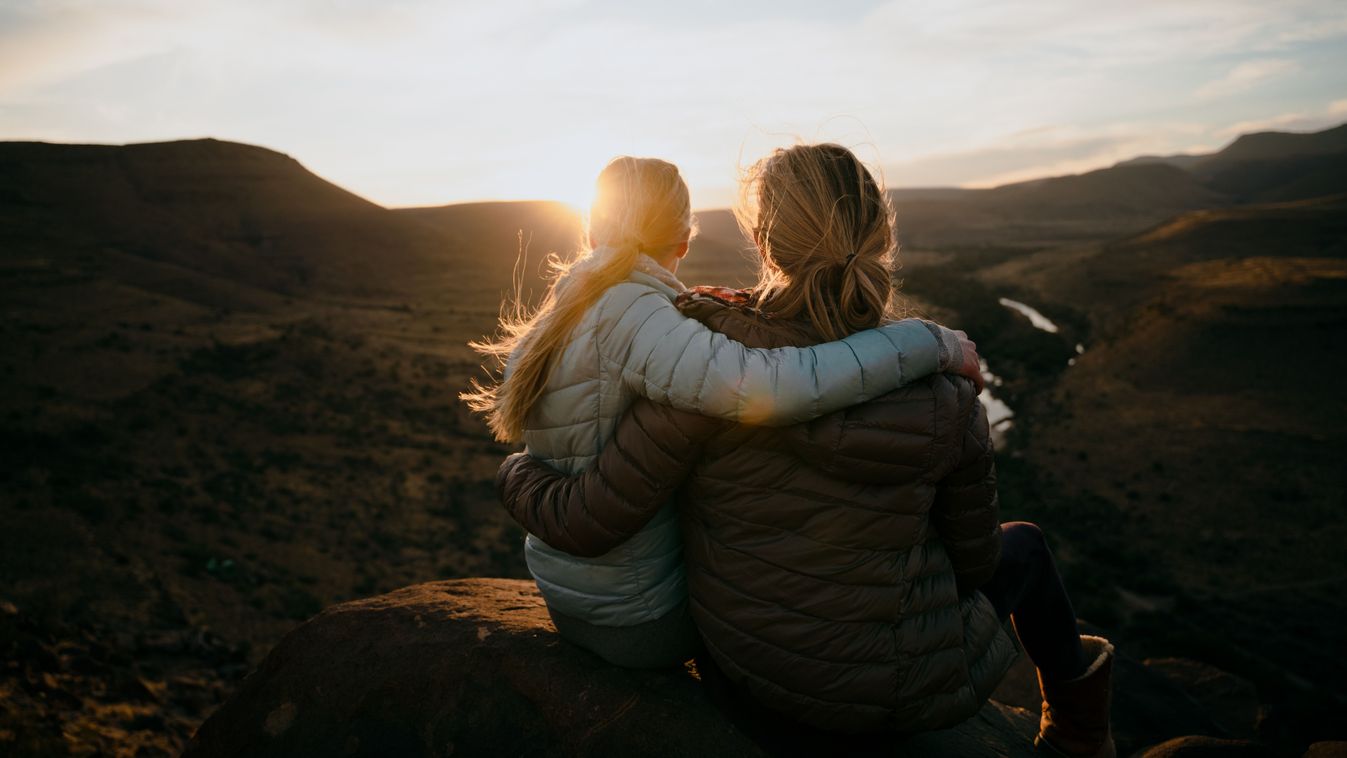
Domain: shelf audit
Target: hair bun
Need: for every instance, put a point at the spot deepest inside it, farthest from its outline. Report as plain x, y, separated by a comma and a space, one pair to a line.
824, 228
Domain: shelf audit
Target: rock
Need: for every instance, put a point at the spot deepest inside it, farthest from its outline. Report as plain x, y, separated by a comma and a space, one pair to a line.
1327, 750
1207, 747
1020, 685
1293, 725
474, 667
1232, 702
1148, 706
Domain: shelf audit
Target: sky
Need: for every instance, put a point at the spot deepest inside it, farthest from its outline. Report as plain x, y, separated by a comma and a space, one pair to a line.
425, 102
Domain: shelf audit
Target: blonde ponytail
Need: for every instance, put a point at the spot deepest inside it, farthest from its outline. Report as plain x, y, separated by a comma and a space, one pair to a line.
641, 206
824, 228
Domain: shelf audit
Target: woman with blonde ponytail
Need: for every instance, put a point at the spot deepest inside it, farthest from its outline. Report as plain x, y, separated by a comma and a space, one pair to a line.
607, 333
850, 572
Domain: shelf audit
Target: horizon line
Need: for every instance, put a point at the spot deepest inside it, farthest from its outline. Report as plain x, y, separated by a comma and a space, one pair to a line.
967, 187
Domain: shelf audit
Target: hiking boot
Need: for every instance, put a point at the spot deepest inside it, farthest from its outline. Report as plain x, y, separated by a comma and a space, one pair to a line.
1075, 720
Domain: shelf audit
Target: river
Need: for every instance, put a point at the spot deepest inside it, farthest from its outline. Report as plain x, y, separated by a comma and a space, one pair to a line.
1000, 416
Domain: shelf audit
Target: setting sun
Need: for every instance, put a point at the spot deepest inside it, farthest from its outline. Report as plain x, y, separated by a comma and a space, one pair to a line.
567, 173
425, 103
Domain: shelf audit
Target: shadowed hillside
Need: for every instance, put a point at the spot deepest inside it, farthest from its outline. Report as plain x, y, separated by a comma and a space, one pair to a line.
1187, 463
1205, 412
1106, 280
1275, 166
1272, 146
1091, 206
502, 240
516, 238
230, 401
1128, 197
204, 214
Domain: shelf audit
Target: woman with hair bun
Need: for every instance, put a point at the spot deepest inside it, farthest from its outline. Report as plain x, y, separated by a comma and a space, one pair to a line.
851, 571
607, 333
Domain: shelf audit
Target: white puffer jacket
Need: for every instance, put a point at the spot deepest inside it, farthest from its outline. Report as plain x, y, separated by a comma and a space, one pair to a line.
634, 341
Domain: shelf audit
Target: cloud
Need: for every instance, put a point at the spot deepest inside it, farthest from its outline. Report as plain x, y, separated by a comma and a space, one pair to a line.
1049, 151
1133, 32
421, 101
986, 166
1058, 150
1245, 76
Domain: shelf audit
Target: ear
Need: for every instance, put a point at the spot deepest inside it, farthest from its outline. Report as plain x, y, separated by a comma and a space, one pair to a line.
682, 249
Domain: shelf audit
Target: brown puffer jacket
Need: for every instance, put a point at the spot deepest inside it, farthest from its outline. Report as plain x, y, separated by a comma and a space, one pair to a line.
832, 565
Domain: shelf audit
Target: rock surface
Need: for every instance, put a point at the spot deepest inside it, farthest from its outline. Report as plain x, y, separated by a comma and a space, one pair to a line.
475, 667
1207, 747
1151, 705
1231, 701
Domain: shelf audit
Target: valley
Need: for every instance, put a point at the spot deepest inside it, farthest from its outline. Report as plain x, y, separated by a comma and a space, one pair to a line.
230, 400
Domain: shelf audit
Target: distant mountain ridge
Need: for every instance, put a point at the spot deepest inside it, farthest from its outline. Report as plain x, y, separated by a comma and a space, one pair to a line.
206, 208
1095, 205
1131, 195
1180, 160
1277, 145
217, 222
1270, 145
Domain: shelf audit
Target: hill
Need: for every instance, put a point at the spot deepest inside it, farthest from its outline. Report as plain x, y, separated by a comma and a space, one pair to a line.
503, 232
497, 235
1091, 206
1101, 281
1270, 166
229, 400
210, 214
1180, 455
1267, 146
1181, 160
1128, 197
1204, 417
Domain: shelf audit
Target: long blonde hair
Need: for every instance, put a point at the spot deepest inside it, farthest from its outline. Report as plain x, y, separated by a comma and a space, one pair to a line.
825, 230
641, 205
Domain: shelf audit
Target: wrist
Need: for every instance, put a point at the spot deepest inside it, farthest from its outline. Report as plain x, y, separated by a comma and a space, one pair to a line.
951, 349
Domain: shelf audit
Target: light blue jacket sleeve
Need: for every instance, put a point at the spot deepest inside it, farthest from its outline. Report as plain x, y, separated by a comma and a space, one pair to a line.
678, 361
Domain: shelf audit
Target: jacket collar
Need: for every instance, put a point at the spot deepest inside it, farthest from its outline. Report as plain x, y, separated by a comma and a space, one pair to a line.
647, 266
735, 314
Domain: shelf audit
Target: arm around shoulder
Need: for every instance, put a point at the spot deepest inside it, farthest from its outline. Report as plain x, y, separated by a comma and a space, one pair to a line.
676, 360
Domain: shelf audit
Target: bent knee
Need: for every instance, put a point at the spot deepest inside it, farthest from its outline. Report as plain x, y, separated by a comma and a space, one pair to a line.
1023, 538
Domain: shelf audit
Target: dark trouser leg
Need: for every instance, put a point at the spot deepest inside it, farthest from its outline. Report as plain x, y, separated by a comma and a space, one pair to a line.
1027, 588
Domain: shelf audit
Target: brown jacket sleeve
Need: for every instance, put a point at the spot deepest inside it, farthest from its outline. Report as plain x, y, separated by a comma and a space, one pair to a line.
966, 511
652, 451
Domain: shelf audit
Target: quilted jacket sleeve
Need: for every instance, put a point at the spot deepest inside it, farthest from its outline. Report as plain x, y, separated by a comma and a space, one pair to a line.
676, 360
966, 512
652, 451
